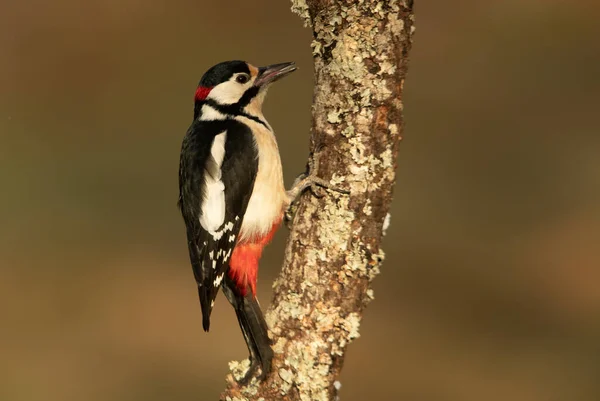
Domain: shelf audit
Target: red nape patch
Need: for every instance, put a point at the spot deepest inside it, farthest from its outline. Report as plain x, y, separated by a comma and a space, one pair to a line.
243, 267
202, 92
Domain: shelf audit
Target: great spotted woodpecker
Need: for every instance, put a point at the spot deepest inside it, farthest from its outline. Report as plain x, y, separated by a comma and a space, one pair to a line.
231, 193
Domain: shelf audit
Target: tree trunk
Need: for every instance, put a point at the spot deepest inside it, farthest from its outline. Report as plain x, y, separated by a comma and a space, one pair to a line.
361, 52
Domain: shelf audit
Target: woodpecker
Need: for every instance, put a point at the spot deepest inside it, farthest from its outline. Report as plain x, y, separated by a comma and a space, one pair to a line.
231, 194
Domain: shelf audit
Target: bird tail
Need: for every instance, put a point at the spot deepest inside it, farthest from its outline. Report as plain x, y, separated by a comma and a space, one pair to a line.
206, 305
254, 327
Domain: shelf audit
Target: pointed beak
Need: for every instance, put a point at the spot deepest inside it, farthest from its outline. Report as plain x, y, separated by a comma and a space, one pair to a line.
271, 73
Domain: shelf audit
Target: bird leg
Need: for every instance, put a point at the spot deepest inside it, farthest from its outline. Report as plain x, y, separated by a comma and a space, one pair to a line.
304, 181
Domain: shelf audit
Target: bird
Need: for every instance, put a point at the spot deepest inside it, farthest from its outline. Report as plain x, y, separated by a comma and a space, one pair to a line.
232, 196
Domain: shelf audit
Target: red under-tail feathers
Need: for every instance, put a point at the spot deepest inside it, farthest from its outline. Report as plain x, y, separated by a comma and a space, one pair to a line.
243, 267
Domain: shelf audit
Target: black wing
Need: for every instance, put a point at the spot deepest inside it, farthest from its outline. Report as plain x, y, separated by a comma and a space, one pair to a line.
210, 252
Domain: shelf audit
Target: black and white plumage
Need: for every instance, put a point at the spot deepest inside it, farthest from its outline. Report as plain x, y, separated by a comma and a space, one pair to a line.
211, 244
231, 193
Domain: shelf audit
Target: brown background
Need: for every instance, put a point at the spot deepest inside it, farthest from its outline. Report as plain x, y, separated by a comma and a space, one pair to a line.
491, 287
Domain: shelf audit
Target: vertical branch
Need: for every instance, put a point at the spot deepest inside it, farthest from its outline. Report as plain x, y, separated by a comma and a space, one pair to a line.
360, 51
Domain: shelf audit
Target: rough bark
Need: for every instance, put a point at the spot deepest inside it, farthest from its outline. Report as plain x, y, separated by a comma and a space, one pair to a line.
360, 51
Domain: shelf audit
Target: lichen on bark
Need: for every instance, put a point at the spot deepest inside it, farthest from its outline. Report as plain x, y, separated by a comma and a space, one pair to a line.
360, 52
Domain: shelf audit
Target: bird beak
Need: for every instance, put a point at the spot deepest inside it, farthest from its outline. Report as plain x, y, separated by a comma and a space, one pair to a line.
271, 73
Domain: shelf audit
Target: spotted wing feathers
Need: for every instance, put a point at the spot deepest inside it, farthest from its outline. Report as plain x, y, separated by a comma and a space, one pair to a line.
217, 170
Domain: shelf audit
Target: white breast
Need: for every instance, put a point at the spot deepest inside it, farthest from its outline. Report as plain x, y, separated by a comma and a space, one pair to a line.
268, 198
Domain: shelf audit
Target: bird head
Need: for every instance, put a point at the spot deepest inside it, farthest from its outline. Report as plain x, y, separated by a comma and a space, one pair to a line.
240, 84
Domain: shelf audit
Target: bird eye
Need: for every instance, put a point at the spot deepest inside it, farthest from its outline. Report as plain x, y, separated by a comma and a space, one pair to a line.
242, 78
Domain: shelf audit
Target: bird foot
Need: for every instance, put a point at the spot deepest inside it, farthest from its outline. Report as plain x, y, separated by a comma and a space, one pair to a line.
251, 373
305, 181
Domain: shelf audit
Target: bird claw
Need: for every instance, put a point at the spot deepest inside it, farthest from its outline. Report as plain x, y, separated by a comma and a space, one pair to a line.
289, 214
250, 374
319, 183
312, 181
308, 181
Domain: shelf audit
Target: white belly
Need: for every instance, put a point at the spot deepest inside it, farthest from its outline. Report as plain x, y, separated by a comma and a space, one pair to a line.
269, 198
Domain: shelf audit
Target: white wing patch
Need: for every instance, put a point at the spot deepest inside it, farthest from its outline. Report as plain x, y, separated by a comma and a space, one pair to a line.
212, 209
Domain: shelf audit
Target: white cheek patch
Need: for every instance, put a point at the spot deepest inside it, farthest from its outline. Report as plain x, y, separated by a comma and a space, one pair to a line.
212, 209
229, 92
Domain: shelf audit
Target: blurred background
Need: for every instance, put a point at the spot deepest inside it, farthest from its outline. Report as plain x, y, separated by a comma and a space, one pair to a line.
491, 285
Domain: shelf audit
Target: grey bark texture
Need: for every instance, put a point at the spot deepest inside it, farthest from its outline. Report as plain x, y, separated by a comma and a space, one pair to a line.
360, 51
